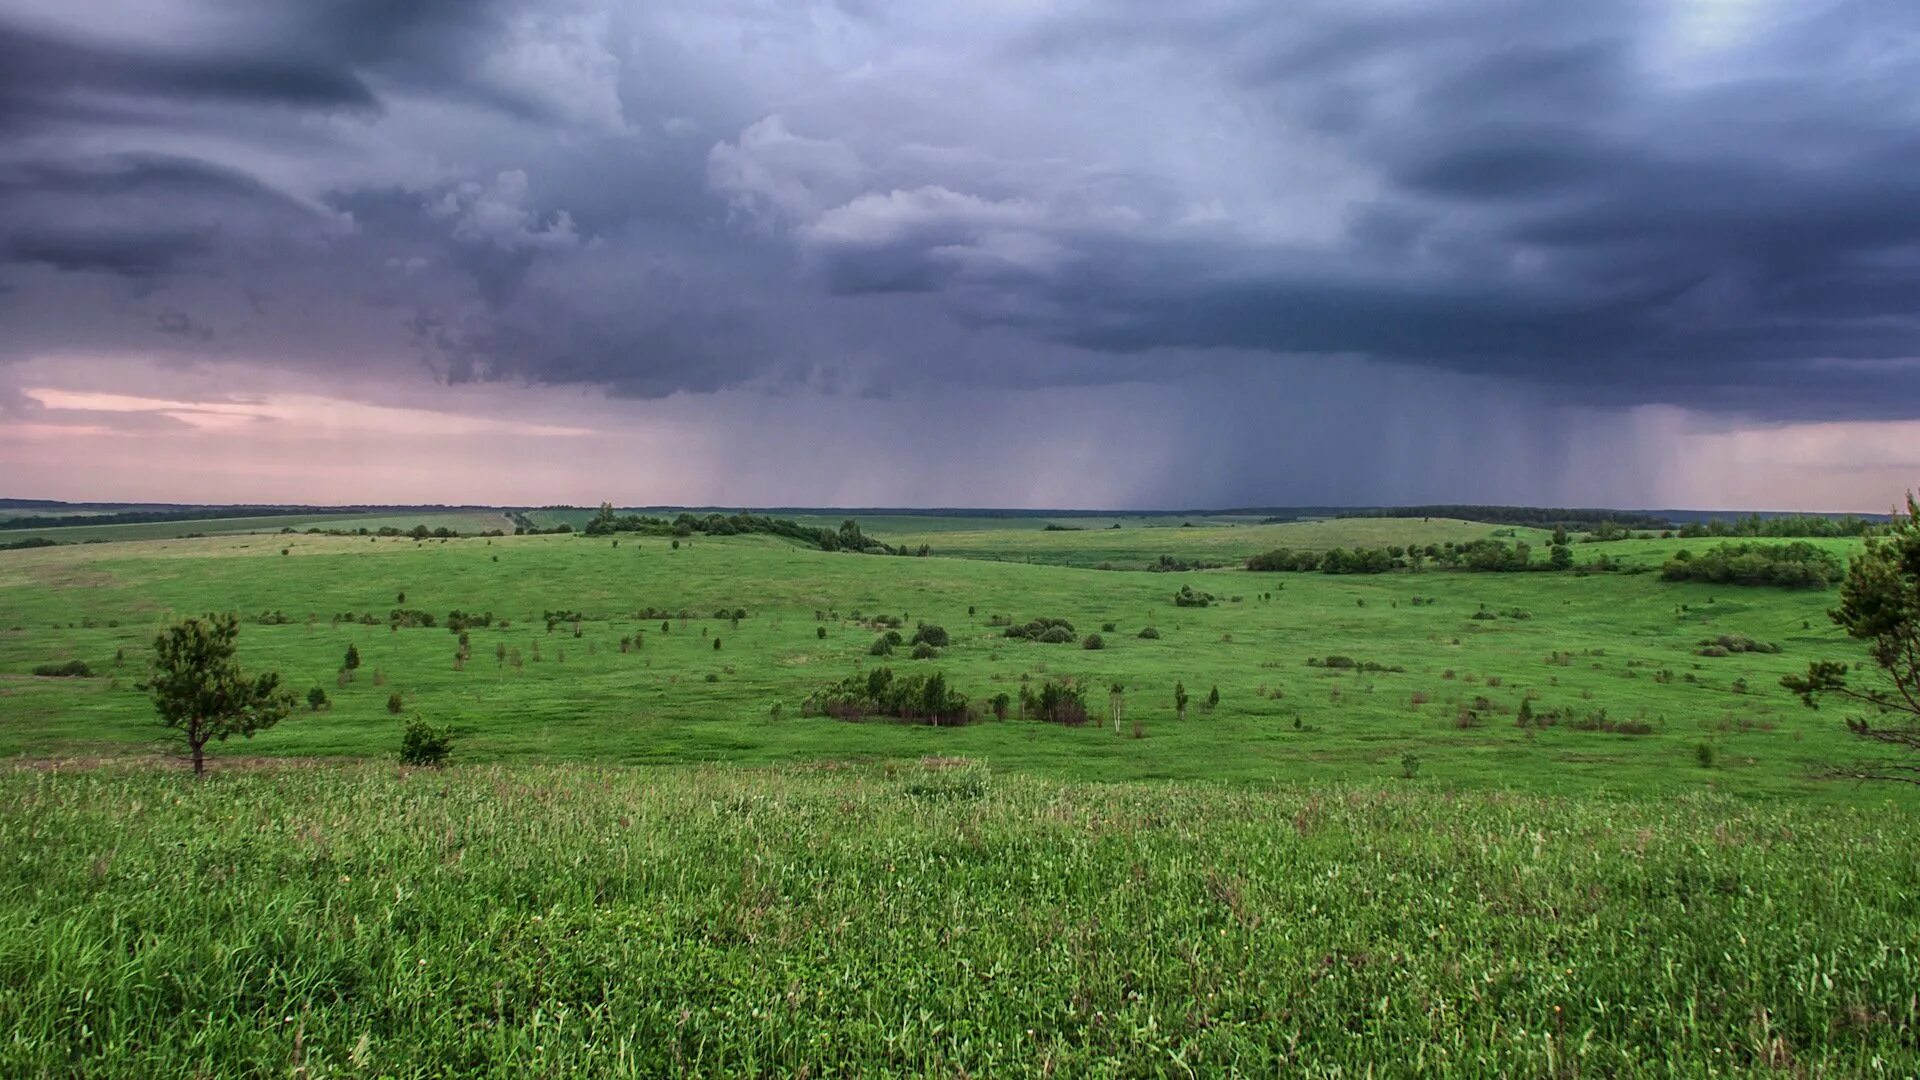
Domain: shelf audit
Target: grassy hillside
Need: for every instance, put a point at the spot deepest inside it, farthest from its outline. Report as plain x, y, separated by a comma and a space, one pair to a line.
358, 921
1614, 657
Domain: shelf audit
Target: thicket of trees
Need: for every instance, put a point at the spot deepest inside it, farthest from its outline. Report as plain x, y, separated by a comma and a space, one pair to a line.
920, 699
1798, 565
847, 537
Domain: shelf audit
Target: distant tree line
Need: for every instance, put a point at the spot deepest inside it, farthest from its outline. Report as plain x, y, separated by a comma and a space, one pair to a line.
1583, 520
1796, 525
145, 517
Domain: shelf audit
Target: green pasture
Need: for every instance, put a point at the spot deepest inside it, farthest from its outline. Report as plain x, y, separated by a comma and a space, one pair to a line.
1615, 656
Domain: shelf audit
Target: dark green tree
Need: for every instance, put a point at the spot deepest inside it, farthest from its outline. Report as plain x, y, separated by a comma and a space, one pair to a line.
1880, 605
353, 659
200, 691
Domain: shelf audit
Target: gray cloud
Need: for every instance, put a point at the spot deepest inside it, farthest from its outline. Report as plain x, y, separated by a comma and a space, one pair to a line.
1702, 205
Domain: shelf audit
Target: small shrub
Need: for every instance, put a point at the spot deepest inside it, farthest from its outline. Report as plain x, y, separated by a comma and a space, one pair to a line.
1703, 754
820, 632
924, 651
929, 634
1150, 633
316, 699
1409, 765
423, 744
394, 705
1189, 597
1093, 641
1108, 628
72, 669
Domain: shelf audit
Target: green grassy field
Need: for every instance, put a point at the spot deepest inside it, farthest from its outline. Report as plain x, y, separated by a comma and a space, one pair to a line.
649, 861
359, 921
1138, 544
1620, 645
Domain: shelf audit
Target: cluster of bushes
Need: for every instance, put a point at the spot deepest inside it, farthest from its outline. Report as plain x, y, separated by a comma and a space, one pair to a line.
920, 699
1484, 555
29, 542
1798, 565
1045, 630
648, 614
459, 621
1167, 564
72, 669
1511, 613
1596, 720
847, 537
1729, 644
276, 617
410, 617
1054, 703
367, 618
1348, 663
1188, 596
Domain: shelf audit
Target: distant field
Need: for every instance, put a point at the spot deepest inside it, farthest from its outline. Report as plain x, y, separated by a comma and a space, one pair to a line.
1136, 545
1609, 649
890, 526
463, 521
939, 919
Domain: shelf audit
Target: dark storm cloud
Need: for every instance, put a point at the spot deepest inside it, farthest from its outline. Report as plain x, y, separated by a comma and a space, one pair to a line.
1553, 200
46, 79
1710, 204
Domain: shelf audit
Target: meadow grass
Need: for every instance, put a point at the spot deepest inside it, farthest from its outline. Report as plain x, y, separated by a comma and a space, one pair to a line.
936, 919
1431, 679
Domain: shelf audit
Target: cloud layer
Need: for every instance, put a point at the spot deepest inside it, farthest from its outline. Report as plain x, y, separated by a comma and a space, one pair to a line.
1409, 218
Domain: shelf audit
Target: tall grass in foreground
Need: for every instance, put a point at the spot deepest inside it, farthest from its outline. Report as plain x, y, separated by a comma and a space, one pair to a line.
351, 920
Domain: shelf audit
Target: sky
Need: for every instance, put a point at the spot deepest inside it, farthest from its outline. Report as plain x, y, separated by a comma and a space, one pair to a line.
1114, 254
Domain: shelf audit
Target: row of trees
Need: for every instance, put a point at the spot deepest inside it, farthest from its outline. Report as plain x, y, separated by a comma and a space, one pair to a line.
1783, 526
